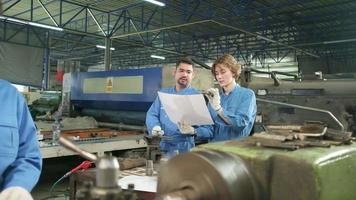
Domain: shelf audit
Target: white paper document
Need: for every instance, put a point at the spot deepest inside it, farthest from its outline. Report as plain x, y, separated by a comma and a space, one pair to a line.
190, 109
142, 183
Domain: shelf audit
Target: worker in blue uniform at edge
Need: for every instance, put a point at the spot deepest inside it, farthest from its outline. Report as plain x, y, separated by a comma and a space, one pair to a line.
176, 138
235, 106
20, 158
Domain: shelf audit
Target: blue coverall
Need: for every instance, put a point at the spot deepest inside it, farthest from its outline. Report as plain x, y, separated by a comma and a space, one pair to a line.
20, 158
173, 140
239, 106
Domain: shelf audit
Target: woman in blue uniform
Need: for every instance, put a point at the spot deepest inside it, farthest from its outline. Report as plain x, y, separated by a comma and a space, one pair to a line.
235, 106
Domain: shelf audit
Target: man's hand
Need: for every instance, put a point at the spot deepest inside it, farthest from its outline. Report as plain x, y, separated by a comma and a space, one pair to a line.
157, 131
15, 193
214, 98
185, 128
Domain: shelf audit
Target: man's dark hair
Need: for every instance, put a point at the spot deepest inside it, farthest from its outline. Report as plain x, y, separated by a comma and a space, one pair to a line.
186, 60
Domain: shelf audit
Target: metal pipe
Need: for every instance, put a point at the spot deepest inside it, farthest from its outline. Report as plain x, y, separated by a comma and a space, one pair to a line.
71, 146
304, 108
136, 29
47, 12
96, 22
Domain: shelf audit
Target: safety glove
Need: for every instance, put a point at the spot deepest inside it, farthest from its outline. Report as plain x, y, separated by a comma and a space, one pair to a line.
15, 193
186, 128
157, 131
214, 98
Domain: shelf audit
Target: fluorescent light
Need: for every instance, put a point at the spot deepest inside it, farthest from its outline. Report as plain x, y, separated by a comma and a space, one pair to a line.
158, 57
158, 3
103, 47
16, 20
31, 23
45, 26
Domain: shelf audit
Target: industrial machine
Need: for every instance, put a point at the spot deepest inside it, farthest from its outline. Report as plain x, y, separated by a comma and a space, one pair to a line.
336, 96
116, 100
107, 174
268, 167
47, 103
121, 98
294, 162
115, 96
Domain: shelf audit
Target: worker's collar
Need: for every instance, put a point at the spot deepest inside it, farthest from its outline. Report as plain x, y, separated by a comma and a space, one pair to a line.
175, 88
233, 86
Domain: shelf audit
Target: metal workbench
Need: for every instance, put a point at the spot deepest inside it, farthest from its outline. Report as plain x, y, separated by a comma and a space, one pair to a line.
98, 146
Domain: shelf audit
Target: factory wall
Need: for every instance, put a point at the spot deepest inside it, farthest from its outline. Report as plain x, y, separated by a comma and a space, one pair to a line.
21, 64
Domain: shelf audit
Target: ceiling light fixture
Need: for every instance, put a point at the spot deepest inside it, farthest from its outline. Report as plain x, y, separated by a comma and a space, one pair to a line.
158, 57
16, 20
103, 47
158, 3
30, 23
45, 26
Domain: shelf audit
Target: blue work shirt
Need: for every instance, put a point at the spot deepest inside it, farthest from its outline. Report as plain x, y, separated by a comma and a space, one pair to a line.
173, 140
20, 158
239, 106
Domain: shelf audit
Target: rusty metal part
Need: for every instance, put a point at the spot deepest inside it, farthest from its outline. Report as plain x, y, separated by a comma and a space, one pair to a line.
270, 142
206, 175
91, 133
265, 135
314, 134
344, 137
303, 135
313, 144
130, 163
284, 127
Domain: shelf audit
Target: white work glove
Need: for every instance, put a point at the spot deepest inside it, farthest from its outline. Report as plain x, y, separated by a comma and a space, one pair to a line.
185, 128
15, 193
157, 131
214, 98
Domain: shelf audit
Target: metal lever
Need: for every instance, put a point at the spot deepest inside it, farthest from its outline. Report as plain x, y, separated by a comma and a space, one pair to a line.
70, 146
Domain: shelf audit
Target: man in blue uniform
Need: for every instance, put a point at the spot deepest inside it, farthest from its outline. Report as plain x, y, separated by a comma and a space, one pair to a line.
176, 138
235, 106
20, 159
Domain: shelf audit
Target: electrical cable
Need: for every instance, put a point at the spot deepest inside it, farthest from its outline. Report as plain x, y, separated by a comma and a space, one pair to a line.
82, 166
55, 184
